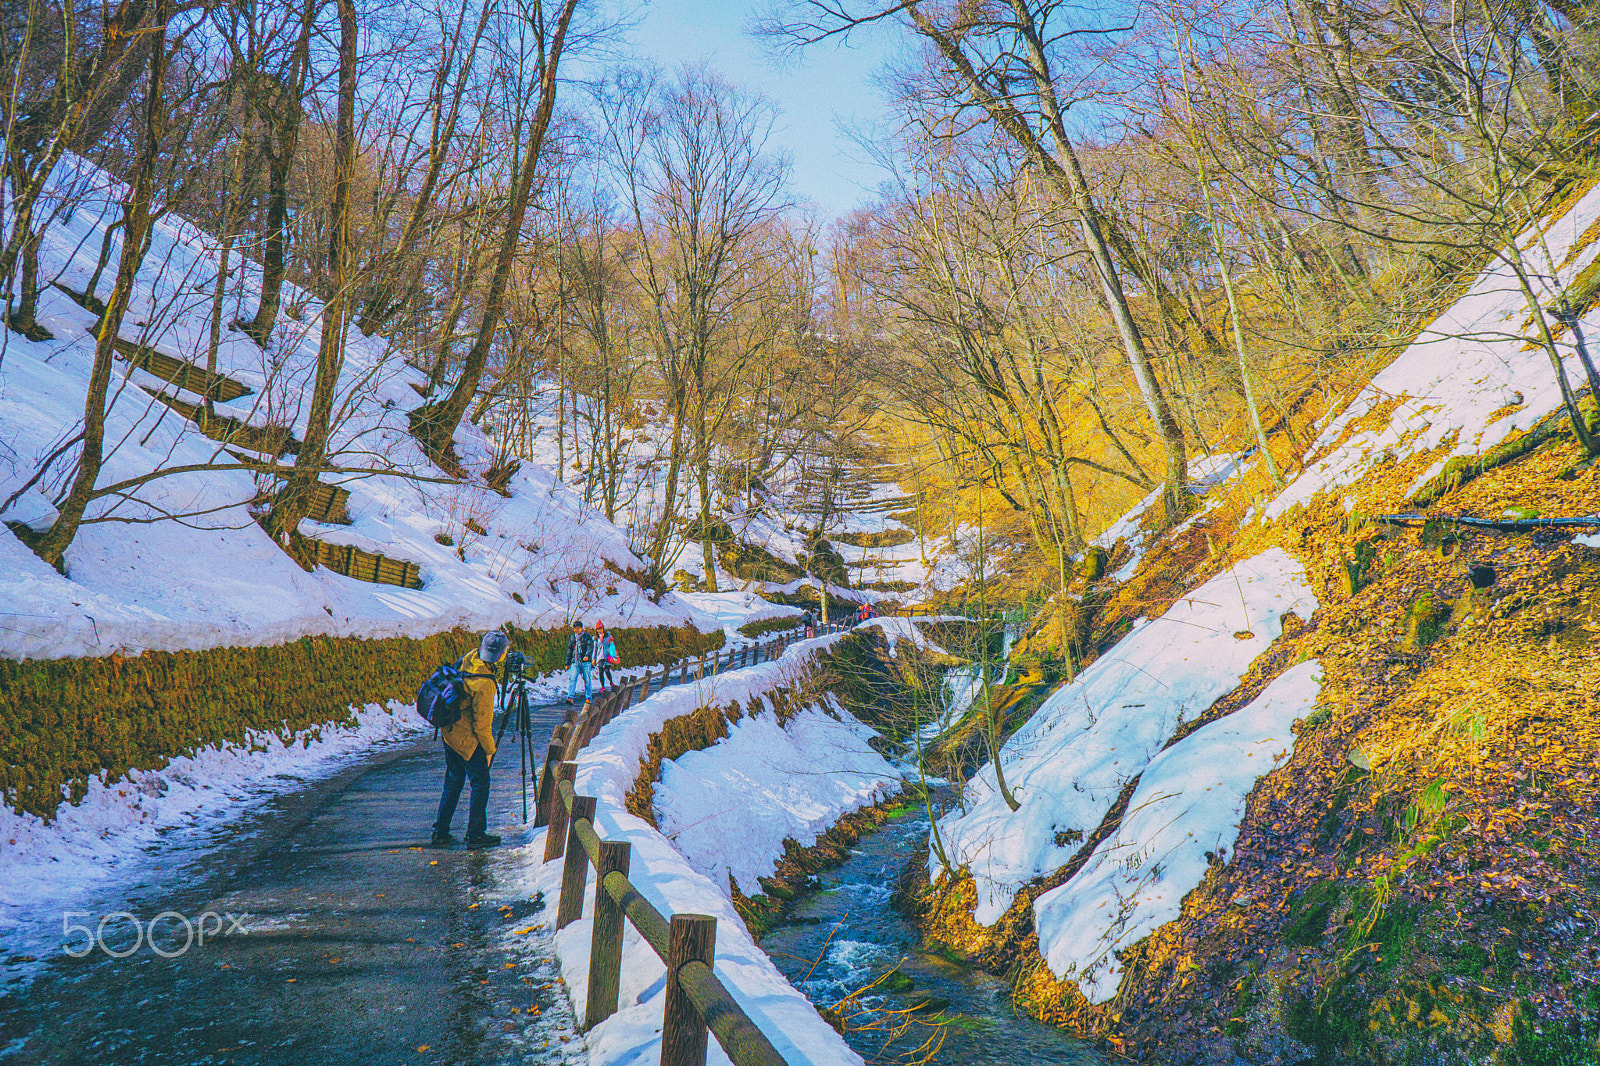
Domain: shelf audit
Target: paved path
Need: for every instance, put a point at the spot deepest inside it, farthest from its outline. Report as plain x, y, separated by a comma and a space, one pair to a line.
363, 947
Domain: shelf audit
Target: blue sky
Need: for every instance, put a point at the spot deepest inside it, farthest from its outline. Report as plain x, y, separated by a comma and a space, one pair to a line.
824, 88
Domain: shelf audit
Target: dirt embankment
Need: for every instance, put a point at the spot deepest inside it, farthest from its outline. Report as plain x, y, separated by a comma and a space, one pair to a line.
1420, 882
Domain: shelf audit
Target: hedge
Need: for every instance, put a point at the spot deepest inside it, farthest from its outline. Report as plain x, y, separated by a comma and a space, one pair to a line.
67, 720
760, 628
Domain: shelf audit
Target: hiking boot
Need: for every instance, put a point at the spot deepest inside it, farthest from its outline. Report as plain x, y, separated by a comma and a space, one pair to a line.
441, 839
482, 840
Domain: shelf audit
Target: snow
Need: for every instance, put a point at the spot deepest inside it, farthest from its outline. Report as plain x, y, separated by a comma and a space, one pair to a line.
1469, 363
729, 808
607, 768
1204, 472
215, 579
897, 628
1068, 764
114, 837
1189, 802
735, 609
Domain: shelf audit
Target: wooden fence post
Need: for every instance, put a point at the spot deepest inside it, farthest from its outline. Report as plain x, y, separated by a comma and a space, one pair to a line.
693, 937
605, 947
575, 874
547, 780
555, 839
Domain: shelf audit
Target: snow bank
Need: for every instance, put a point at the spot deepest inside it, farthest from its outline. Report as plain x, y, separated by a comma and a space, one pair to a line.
1471, 362
729, 809
119, 831
1188, 804
1204, 471
1068, 764
606, 770
735, 609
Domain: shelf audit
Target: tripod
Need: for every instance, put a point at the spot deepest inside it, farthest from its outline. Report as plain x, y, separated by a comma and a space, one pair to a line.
514, 712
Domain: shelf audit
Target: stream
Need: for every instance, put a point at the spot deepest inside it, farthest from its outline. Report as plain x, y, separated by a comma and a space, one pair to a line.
843, 936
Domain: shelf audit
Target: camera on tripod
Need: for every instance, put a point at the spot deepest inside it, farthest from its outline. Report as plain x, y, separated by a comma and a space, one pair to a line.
514, 712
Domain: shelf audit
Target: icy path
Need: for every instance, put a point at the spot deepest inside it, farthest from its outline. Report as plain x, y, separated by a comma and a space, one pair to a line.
362, 947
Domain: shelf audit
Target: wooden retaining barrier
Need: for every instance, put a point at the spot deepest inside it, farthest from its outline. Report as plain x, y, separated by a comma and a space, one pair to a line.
184, 375
698, 1005
351, 561
271, 440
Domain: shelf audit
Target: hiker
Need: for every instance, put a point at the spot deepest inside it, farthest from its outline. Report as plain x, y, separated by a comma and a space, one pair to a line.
863, 613
469, 746
605, 655
810, 623
580, 657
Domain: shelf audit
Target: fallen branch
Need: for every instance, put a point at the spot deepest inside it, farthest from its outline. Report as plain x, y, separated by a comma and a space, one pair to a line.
1501, 525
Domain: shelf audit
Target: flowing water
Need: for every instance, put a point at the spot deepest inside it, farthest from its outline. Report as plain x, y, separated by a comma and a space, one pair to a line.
845, 935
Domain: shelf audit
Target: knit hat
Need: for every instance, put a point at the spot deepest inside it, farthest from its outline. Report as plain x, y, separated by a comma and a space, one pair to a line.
492, 648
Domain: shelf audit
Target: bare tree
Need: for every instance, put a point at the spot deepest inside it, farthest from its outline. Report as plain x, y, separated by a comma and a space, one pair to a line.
1002, 61
435, 424
692, 164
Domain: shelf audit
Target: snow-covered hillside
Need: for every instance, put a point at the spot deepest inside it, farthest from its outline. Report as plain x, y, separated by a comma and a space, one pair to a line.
1066, 766
1470, 380
179, 562
1472, 377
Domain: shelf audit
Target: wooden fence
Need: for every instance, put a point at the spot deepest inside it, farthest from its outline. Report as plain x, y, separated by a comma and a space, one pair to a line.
697, 1002
351, 561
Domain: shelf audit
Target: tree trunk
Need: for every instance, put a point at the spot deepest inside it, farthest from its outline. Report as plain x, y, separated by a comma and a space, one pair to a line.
275, 249
1065, 172
51, 546
707, 547
24, 320
435, 424
292, 502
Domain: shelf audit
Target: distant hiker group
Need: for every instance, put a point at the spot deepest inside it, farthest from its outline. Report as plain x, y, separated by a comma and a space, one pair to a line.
585, 652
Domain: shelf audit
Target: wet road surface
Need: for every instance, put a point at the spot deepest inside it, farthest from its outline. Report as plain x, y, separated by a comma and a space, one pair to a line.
362, 945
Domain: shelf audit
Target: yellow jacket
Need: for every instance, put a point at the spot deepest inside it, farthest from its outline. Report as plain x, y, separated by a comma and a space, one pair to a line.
476, 725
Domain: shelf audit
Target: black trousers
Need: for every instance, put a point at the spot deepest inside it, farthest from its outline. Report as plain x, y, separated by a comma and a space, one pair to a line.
457, 771
606, 675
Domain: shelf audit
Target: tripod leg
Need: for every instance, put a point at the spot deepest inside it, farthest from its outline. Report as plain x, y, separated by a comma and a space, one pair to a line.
527, 757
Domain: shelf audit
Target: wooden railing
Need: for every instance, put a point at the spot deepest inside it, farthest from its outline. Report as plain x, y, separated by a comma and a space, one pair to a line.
581, 725
697, 1002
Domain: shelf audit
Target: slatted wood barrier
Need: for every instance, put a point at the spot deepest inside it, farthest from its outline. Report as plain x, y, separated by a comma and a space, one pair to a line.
184, 375
351, 561
328, 503
272, 440
697, 1002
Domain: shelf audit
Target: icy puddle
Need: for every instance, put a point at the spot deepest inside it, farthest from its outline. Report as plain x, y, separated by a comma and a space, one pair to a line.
842, 937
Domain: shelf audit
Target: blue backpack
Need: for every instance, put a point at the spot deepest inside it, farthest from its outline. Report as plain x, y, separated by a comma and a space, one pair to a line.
442, 697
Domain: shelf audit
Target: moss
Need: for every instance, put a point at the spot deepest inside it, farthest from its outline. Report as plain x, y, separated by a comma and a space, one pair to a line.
753, 630
1308, 914
1537, 1041
898, 981
1424, 621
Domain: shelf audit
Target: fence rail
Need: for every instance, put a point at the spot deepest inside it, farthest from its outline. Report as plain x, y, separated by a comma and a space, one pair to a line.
697, 1002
